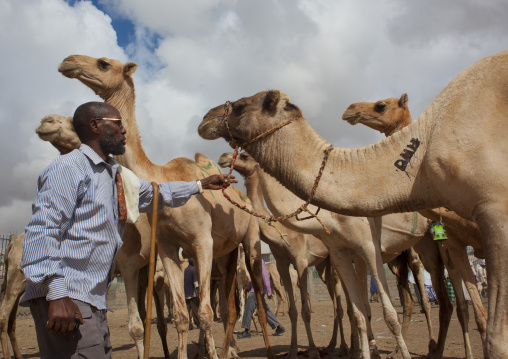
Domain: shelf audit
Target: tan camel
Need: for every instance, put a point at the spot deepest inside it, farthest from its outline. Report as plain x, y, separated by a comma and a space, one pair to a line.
349, 236
13, 288
275, 283
292, 248
445, 154
389, 116
207, 227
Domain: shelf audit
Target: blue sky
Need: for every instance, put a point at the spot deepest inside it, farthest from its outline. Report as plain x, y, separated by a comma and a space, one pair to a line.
195, 55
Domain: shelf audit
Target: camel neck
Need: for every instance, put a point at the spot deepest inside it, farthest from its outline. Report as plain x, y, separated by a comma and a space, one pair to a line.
294, 155
135, 157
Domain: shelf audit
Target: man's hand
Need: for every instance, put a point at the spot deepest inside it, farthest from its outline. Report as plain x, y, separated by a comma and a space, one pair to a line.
62, 314
216, 181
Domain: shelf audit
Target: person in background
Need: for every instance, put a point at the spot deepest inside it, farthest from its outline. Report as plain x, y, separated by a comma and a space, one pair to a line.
251, 305
191, 293
84, 200
374, 295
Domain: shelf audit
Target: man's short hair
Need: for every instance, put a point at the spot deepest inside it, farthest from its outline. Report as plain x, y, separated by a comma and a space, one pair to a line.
87, 111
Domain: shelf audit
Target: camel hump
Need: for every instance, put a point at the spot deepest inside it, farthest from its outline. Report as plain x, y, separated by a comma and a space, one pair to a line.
201, 159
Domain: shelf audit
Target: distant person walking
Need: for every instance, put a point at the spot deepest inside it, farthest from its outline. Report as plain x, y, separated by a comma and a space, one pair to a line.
191, 293
251, 305
374, 294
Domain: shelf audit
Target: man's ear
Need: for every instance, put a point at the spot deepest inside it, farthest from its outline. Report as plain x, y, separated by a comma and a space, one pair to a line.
93, 125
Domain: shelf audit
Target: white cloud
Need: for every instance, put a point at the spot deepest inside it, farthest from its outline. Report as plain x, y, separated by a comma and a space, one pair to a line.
324, 54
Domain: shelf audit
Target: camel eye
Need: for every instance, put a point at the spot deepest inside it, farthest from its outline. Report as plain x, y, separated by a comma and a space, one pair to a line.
380, 107
243, 157
103, 65
238, 109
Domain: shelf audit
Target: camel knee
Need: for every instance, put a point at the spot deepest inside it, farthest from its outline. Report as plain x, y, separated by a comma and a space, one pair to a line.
136, 329
306, 314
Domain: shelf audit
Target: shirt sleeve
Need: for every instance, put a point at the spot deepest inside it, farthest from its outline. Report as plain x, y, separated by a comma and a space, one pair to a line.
52, 212
172, 194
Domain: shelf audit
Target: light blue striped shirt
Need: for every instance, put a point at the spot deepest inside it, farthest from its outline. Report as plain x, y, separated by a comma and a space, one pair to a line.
74, 234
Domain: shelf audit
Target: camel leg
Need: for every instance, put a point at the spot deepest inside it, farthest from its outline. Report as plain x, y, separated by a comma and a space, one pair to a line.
283, 268
461, 264
399, 268
205, 313
433, 263
228, 312
171, 262
495, 246
416, 266
343, 266
334, 287
306, 309
462, 310
375, 263
13, 289
361, 275
128, 267
252, 246
158, 296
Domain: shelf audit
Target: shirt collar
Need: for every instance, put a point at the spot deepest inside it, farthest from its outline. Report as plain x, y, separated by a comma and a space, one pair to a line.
95, 158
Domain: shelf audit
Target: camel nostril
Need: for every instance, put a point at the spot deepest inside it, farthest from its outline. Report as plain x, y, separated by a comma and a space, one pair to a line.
352, 106
48, 120
68, 58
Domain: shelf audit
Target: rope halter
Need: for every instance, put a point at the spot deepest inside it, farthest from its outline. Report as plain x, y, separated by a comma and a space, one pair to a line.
303, 208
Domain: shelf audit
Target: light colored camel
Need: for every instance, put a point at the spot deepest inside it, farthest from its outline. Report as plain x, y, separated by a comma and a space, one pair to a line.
350, 237
13, 288
207, 227
275, 283
446, 155
293, 251
389, 116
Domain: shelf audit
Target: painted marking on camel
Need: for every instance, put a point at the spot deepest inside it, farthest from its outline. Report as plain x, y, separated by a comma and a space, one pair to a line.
407, 155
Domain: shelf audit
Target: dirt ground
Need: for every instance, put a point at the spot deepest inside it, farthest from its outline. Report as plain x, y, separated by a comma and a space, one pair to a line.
417, 340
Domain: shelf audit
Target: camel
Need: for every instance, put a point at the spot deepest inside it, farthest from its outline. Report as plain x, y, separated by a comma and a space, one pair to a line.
445, 152
349, 236
13, 288
275, 283
207, 227
300, 250
389, 116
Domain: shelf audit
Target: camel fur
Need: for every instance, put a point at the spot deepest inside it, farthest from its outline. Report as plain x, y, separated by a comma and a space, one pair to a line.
446, 153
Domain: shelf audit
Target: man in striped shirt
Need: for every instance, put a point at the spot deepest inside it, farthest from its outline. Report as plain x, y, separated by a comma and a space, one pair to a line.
74, 235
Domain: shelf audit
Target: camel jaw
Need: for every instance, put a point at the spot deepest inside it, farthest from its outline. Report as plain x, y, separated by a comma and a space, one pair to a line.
212, 128
47, 134
225, 160
352, 119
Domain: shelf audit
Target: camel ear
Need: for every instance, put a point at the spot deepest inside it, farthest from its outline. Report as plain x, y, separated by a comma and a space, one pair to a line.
404, 99
129, 68
271, 100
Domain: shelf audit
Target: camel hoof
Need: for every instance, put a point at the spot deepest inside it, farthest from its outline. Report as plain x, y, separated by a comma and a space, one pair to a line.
342, 351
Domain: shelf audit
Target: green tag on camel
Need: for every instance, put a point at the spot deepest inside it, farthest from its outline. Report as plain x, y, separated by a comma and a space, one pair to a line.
438, 232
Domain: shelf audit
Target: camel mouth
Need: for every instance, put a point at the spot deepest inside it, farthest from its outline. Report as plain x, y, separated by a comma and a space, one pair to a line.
46, 134
224, 160
212, 129
352, 119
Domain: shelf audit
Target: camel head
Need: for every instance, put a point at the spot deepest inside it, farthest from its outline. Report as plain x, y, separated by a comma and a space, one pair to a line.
104, 76
60, 132
249, 116
244, 164
386, 116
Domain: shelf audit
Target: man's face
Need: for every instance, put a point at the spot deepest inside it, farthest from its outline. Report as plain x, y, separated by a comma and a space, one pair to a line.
112, 140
